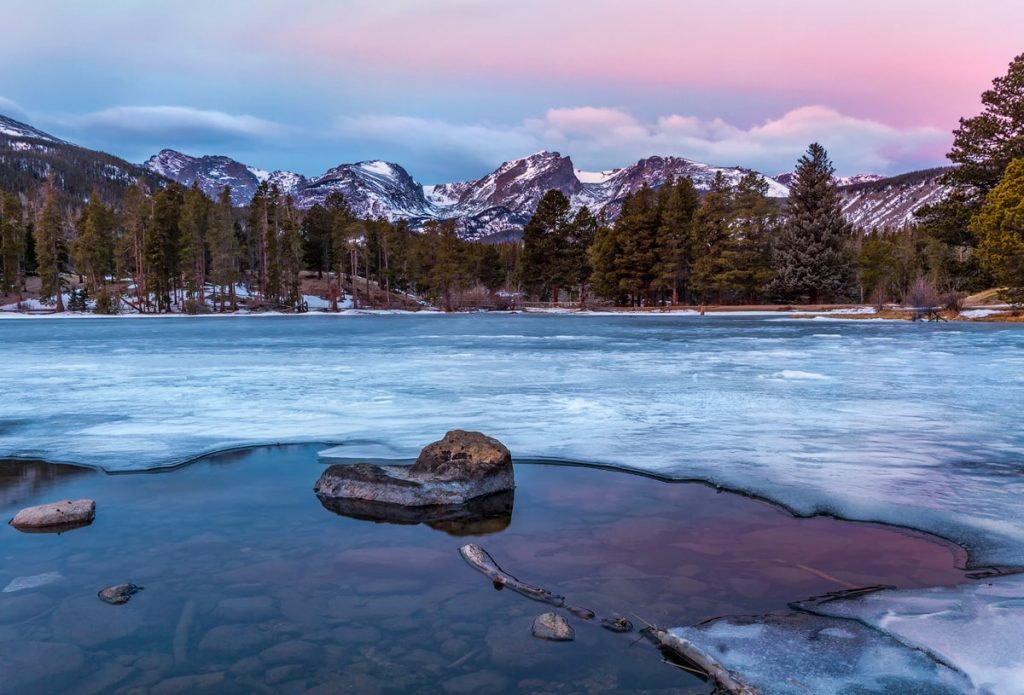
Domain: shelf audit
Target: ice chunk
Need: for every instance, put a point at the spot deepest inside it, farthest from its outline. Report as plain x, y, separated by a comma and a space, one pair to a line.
798, 654
33, 581
978, 627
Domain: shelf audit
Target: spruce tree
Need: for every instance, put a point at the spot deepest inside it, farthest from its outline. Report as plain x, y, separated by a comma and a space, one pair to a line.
49, 239
810, 258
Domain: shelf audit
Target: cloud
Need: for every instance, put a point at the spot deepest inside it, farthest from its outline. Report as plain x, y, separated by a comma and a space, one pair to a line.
601, 138
175, 124
11, 109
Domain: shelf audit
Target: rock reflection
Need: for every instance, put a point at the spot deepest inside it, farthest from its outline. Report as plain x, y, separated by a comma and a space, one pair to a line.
478, 517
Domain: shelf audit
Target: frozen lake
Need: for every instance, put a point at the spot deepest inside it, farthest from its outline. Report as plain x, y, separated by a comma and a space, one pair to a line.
915, 424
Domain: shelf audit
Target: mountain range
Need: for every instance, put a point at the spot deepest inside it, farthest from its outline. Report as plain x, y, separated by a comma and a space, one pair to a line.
493, 207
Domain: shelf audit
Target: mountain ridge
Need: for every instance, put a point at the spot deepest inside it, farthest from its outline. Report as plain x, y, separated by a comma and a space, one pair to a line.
494, 206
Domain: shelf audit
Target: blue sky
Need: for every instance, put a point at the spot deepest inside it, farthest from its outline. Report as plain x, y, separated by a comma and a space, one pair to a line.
451, 88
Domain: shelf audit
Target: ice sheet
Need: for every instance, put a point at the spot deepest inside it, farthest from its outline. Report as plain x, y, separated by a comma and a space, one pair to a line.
979, 627
913, 424
795, 654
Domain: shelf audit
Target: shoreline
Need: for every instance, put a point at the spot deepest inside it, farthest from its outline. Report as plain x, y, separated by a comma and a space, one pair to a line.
973, 314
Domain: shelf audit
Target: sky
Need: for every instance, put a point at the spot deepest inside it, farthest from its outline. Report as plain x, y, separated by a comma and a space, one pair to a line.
452, 88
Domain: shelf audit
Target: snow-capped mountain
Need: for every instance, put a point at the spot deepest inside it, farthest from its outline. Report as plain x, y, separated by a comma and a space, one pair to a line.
497, 205
372, 189
213, 173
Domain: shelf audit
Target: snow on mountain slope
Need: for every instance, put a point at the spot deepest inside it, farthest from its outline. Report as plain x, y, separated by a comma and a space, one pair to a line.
12, 129
891, 202
372, 189
212, 173
500, 203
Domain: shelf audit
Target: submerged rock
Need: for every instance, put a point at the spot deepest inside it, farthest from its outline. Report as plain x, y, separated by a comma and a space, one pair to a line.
552, 626
55, 516
617, 625
460, 467
477, 517
119, 593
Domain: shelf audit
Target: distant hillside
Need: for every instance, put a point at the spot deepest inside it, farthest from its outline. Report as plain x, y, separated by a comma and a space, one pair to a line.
891, 202
28, 156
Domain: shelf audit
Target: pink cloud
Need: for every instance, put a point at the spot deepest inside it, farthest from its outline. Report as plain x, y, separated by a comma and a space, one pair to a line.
911, 62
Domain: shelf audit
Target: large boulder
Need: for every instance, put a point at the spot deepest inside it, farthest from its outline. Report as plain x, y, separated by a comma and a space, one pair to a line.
461, 467
56, 516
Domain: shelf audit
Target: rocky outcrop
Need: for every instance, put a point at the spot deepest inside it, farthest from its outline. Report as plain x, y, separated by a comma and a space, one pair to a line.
462, 466
56, 516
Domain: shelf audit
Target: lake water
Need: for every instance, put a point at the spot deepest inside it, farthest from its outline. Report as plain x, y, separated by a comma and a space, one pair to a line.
914, 424
252, 585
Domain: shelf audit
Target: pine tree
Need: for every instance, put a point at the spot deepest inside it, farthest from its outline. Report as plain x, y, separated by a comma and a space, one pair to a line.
984, 146
12, 244
637, 231
224, 250
745, 266
49, 240
999, 227
582, 233
809, 255
291, 254
161, 252
712, 229
136, 216
607, 278
545, 246
94, 247
678, 202
192, 251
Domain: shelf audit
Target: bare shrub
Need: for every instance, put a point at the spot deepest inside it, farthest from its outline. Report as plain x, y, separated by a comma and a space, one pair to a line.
922, 297
954, 301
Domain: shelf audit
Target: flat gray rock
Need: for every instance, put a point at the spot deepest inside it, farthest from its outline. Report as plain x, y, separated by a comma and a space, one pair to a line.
460, 467
56, 515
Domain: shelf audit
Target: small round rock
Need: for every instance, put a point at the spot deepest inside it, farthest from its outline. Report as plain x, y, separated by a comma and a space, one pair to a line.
551, 626
119, 593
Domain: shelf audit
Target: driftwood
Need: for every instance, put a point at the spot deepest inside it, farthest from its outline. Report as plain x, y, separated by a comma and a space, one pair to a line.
724, 679
480, 559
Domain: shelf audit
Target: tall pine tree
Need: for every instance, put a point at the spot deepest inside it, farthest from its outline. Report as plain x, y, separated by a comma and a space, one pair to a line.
49, 241
809, 255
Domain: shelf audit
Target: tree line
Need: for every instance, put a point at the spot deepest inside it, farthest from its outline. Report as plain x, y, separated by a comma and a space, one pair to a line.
174, 248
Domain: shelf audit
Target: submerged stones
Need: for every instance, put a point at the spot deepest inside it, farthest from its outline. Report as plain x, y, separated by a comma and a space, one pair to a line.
462, 466
55, 516
552, 626
119, 593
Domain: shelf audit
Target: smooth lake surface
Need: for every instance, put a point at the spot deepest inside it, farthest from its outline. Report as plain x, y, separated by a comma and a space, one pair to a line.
913, 424
251, 585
